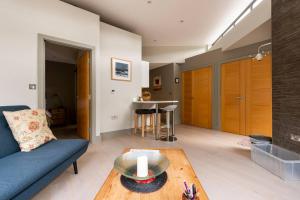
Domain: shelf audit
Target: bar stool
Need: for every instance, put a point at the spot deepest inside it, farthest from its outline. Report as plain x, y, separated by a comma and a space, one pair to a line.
170, 109
144, 113
160, 112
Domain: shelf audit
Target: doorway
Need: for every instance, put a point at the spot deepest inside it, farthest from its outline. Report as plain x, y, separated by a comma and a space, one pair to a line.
67, 90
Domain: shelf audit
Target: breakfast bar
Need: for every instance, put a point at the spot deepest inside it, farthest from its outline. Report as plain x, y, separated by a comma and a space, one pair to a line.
156, 105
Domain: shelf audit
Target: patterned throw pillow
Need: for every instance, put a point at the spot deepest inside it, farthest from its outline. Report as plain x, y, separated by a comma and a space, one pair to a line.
29, 128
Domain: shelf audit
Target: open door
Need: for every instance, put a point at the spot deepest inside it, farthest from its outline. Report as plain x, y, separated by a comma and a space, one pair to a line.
83, 95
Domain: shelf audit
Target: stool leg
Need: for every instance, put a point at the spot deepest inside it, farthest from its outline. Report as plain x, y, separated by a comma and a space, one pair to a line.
136, 122
168, 124
152, 123
158, 124
151, 120
143, 125
173, 123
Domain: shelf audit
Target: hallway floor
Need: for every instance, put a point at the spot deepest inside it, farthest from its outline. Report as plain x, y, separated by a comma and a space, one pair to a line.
223, 166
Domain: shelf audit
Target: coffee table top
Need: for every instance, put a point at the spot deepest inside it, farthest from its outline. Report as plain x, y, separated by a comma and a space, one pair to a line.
180, 170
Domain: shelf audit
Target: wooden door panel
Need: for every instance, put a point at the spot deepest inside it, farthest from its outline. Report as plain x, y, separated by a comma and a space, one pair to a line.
202, 91
196, 97
83, 95
231, 94
259, 97
252, 81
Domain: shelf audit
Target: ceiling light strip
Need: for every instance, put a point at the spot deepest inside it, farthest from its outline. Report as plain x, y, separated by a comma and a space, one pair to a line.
245, 12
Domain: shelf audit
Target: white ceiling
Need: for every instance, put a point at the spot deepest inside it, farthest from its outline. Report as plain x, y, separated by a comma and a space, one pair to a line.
204, 20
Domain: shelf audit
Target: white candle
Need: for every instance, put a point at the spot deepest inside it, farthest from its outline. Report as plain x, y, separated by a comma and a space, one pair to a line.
142, 166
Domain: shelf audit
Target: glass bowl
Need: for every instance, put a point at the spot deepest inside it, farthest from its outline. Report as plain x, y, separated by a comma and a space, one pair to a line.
126, 163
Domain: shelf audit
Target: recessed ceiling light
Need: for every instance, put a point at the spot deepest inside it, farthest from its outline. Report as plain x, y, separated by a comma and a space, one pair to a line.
149, 2
181, 21
154, 40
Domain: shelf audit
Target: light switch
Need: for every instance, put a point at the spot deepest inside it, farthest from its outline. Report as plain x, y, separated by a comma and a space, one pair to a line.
32, 86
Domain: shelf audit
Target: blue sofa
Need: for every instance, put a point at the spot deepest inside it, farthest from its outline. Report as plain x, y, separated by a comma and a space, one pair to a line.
23, 174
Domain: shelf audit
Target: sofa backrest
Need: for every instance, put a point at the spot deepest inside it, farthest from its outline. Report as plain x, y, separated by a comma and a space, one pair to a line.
8, 144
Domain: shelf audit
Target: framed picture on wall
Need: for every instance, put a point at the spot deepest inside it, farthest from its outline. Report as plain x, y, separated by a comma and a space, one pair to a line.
120, 69
157, 82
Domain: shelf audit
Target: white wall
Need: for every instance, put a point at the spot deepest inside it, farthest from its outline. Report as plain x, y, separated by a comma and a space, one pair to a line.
21, 21
115, 42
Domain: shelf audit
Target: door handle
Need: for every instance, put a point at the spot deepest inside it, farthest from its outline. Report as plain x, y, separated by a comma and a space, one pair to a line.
240, 98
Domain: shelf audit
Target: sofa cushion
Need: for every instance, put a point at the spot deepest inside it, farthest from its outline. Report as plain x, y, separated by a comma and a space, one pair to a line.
29, 127
18, 171
8, 144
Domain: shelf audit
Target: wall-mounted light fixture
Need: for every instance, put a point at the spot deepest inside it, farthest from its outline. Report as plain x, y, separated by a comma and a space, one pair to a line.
259, 56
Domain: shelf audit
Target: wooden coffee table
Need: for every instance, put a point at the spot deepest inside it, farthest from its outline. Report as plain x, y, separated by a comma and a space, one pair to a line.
180, 170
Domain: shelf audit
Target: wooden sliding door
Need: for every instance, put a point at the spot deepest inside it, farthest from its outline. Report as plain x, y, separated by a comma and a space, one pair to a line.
196, 97
246, 97
259, 97
232, 98
202, 90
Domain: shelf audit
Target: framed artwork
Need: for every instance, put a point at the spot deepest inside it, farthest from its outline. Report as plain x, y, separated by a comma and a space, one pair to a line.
157, 82
120, 69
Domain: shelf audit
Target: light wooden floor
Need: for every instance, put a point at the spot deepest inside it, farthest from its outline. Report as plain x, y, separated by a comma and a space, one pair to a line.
222, 165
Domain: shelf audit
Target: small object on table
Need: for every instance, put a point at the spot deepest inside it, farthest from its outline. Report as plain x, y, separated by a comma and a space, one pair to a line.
146, 95
190, 193
142, 166
142, 170
185, 198
140, 99
113, 189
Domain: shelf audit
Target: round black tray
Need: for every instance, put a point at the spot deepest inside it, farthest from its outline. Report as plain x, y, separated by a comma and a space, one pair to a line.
132, 185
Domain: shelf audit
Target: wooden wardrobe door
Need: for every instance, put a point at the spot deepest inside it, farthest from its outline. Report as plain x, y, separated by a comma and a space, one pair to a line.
259, 97
202, 91
232, 98
187, 97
